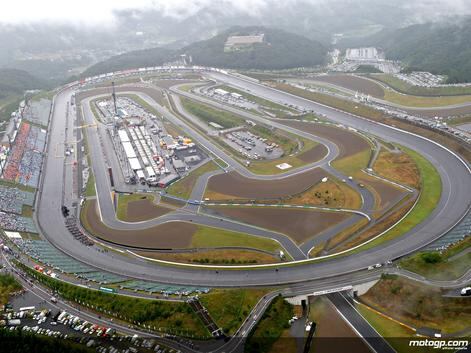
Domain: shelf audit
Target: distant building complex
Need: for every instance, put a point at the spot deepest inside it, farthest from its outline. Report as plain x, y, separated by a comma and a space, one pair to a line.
242, 42
364, 54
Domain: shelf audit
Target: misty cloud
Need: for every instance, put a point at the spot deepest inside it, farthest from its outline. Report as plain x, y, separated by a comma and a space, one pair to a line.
104, 12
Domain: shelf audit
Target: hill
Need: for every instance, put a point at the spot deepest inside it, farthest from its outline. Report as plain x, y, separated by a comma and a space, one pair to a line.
14, 82
442, 48
131, 60
279, 50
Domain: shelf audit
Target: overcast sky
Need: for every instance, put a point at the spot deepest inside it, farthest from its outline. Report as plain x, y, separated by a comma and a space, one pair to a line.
101, 11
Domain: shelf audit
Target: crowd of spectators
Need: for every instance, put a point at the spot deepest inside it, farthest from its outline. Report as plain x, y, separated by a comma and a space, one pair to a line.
25, 159
13, 199
14, 222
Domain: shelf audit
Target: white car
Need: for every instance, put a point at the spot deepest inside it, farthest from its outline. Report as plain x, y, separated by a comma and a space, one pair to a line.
466, 291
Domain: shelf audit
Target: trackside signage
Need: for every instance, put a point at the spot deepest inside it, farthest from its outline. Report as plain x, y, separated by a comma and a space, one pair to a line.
440, 344
333, 290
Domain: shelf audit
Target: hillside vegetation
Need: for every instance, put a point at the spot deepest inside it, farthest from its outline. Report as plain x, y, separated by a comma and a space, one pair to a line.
280, 50
131, 60
14, 82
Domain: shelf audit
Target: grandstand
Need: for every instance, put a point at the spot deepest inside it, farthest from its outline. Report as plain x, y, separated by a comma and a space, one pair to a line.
14, 222
461, 231
25, 158
102, 277
50, 256
13, 199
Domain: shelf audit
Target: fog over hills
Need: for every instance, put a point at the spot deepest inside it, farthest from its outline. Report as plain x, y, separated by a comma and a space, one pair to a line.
53, 42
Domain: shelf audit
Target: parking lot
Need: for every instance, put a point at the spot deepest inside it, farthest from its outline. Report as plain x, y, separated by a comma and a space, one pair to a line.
252, 146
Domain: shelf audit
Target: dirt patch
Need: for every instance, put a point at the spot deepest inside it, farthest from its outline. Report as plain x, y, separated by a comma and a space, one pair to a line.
399, 167
314, 154
142, 210
166, 236
298, 224
224, 256
348, 142
328, 194
354, 83
236, 186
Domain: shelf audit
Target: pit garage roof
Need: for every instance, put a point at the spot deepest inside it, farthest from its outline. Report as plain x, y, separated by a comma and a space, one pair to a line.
129, 150
134, 163
123, 136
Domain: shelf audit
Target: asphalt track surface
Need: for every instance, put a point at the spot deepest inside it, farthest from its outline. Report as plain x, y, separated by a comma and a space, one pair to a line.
454, 203
360, 325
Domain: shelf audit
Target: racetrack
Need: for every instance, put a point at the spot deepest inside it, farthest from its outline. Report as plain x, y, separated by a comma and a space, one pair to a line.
452, 206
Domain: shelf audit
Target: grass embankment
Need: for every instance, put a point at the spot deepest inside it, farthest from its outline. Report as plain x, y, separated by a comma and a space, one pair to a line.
95, 111
329, 194
398, 167
352, 165
90, 187
125, 199
209, 114
217, 257
8, 286
270, 327
431, 189
447, 265
183, 187
423, 102
407, 88
175, 317
138, 207
208, 237
27, 211
230, 307
418, 305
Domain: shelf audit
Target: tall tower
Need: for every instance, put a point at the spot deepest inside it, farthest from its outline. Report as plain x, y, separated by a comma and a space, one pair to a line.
114, 99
